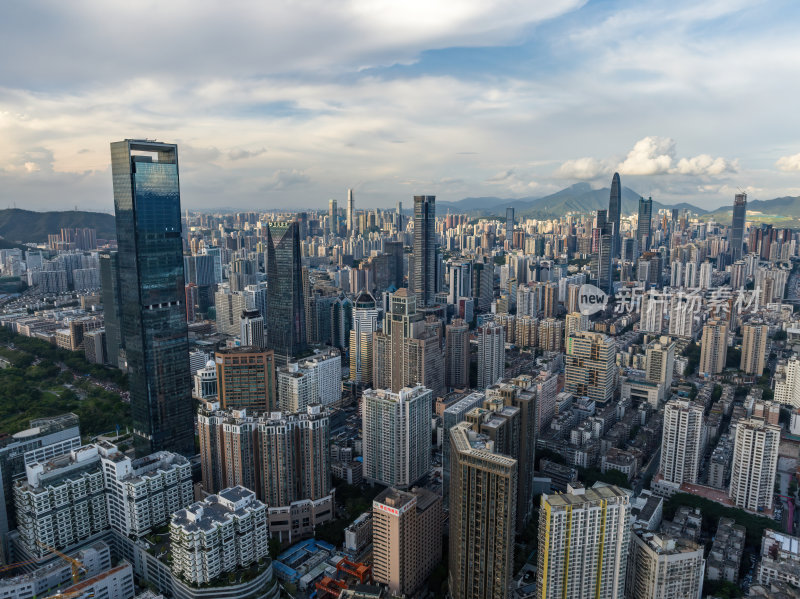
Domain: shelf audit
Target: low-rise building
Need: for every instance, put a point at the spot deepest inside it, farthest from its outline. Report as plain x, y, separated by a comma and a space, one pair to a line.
726, 552
780, 558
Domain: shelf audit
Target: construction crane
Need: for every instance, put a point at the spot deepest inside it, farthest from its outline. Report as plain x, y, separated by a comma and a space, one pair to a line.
77, 567
9, 567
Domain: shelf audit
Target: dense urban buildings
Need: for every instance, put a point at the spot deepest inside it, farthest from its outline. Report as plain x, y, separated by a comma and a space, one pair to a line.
445, 369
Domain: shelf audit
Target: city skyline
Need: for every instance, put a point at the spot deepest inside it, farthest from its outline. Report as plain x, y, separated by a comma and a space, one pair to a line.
517, 101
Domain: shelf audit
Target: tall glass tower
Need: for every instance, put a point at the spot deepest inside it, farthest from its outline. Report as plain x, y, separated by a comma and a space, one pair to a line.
423, 277
151, 278
286, 320
643, 234
614, 211
737, 225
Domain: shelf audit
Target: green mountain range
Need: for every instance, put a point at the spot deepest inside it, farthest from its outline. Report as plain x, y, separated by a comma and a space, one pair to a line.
26, 226
580, 197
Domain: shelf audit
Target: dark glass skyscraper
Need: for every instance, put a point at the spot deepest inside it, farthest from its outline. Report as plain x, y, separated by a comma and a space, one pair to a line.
643, 234
150, 256
509, 225
614, 211
112, 304
422, 279
286, 320
737, 225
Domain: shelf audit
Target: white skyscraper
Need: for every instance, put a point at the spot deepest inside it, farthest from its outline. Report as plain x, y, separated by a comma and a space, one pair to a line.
351, 214
583, 543
681, 441
397, 435
491, 354
681, 316
652, 312
755, 461
706, 268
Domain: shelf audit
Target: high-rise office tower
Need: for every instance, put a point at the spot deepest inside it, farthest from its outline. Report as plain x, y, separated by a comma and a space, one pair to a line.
714, 347
491, 354
365, 324
755, 462
333, 217
351, 214
681, 316
643, 233
681, 441
660, 566
482, 498
112, 305
422, 279
509, 224
737, 225
286, 322
246, 379
590, 367
754, 348
603, 259
614, 212
397, 435
704, 278
583, 543
457, 354
407, 538
152, 292
252, 329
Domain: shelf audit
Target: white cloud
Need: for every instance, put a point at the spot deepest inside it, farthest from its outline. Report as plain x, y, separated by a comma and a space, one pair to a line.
789, 163
649, 156
582, 168
705, 165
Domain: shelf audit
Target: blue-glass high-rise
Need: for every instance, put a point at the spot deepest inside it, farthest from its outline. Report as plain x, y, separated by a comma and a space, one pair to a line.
286, 321
152, 291
737, 225
614, 210
643, 232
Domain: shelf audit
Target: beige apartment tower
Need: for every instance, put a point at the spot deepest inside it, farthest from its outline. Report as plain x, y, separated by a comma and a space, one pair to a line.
407, 538
754, 348
714, 349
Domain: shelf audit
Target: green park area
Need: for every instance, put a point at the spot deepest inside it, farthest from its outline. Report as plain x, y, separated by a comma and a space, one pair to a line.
39, 380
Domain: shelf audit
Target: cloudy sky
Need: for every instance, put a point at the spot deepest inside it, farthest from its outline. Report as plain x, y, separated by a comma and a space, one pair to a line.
281, 104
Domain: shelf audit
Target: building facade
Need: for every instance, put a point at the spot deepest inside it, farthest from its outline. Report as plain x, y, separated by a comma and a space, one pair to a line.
152, 294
